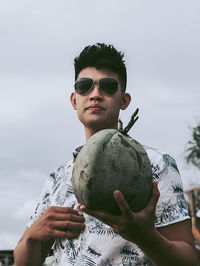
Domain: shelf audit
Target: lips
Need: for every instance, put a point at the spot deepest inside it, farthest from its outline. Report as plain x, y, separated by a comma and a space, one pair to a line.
95, 107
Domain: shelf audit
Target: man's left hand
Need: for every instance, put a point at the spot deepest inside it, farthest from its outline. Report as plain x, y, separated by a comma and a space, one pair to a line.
136, 227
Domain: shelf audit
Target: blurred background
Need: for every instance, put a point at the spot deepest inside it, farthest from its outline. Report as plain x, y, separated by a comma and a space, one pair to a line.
39, 128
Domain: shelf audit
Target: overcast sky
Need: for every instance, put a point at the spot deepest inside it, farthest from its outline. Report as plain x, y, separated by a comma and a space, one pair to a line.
39, 128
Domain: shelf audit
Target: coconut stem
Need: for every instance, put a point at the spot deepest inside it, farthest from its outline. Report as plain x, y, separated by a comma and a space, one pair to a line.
132, 121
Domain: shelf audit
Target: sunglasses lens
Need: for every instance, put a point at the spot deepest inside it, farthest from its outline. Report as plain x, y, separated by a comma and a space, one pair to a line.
108, 85
83, 85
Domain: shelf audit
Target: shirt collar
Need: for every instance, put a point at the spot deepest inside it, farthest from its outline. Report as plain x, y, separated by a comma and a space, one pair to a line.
76, 152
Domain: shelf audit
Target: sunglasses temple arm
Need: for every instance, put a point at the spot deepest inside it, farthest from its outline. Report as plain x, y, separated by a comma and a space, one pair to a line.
132, 121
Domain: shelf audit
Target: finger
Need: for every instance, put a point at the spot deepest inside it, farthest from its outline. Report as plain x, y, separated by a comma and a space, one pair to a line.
68, 225
65, 210
123, 205
68, 217
81, 207
101, 215
61, 234
115, 229
154, 198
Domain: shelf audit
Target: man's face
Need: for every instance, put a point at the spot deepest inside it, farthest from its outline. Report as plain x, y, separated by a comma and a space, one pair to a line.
96, 109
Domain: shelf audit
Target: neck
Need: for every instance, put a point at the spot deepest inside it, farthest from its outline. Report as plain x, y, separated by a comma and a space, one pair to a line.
91, 131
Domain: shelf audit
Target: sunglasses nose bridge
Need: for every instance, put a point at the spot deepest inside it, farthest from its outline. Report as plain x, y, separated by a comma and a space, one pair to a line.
95, 87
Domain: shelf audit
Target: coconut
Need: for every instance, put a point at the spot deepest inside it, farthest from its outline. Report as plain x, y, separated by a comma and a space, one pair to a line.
111, 161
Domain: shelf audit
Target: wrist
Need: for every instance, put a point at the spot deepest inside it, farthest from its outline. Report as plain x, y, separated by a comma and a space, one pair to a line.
153, 240
31, 239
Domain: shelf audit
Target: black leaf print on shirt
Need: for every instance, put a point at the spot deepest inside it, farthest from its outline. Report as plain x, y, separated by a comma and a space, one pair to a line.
46, 198
170, 162
69, 191
168, 212
64, 193
71, 251
180, 199
183, 207
108, 262
99, 228
177, 188
93, 251
155, 171
129, 256
45, 201
56, 187
88, 261
53, 175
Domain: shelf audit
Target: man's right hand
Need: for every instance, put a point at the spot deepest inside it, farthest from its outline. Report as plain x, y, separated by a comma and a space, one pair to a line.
61, 222
37, 240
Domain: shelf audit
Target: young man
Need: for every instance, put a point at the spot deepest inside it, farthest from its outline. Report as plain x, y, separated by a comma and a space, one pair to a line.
160, 234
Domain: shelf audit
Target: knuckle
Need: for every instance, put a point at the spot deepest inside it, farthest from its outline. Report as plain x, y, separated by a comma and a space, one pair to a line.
67, 224
83, 225
68, 209
70, 216
49, 216
49, 225
51, 209
71, 235
63, 234
49, 230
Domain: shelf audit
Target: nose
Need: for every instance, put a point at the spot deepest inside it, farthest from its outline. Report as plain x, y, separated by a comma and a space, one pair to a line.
96, 93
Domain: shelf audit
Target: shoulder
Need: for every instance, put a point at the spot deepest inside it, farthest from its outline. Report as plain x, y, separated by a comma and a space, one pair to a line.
171, 207
162, 163
57, 177
62, 171
156, 156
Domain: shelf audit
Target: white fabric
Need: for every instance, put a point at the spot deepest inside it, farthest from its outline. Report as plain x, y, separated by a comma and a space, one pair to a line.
98, 244
198, 214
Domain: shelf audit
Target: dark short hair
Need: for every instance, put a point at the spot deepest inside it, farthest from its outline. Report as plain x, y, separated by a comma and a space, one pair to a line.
102, 56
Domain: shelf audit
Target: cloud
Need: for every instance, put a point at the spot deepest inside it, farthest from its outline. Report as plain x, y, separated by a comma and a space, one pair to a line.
23, 96
25, 211
8, 240
18, 196
190, 175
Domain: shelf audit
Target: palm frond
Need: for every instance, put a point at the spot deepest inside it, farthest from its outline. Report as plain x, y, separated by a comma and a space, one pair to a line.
193, 150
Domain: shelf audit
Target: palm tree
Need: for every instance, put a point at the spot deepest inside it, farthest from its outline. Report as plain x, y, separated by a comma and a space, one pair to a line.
193, 151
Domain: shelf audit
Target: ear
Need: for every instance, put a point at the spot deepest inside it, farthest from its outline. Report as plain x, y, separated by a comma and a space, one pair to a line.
126, 98
73, 100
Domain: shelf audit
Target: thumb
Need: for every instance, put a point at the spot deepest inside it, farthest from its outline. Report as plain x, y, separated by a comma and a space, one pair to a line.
154, 198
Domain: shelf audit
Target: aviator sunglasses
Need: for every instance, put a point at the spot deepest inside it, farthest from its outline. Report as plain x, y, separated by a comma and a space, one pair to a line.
85, 85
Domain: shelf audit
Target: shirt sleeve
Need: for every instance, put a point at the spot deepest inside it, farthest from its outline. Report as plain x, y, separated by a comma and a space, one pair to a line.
44, 201
172, 206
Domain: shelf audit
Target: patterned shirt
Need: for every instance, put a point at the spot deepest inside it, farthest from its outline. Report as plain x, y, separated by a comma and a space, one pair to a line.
97, 244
